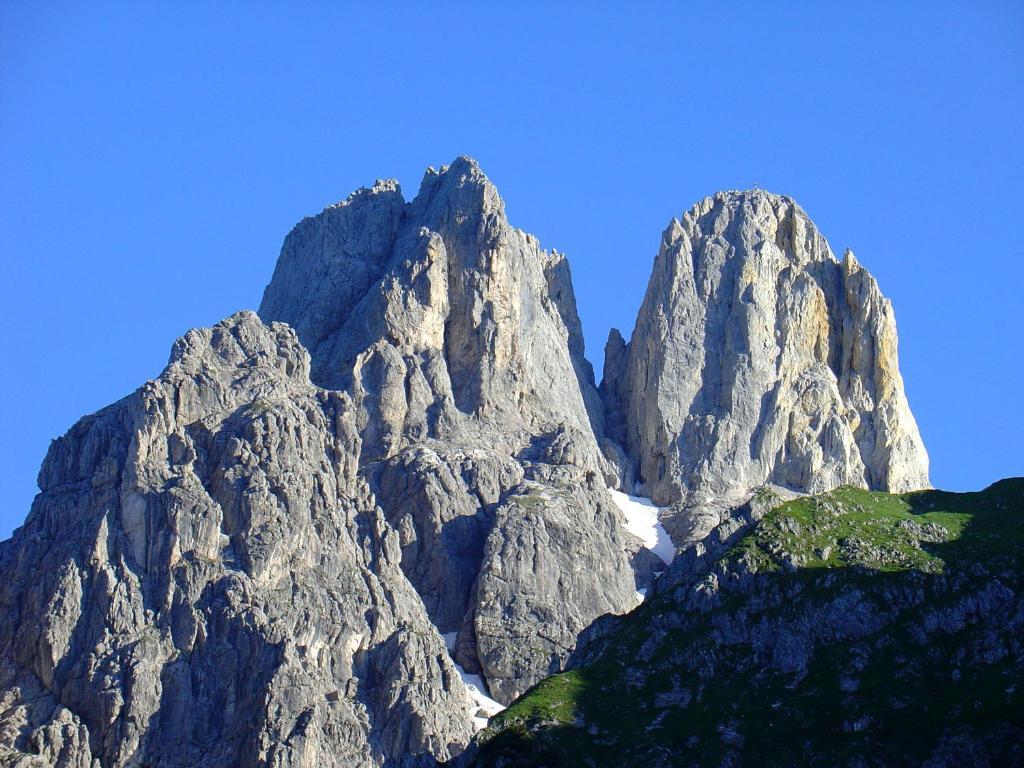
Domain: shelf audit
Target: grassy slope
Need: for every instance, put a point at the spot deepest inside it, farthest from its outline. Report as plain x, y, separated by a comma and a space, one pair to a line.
680, 684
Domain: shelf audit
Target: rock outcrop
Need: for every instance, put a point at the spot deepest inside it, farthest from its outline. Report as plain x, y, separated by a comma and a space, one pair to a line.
458, 340
252, 560
205, 580
443, 320
758, 357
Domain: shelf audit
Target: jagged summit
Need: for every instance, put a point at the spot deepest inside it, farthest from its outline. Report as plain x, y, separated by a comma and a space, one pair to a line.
293, 545
740, 211
759, 357
447, 284
380, 186
454, 332
737, 196
735, 199
461, 165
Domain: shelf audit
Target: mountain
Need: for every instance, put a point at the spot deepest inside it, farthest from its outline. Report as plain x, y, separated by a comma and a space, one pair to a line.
848, 628
758, 357
349, 528
205, 580
458, 339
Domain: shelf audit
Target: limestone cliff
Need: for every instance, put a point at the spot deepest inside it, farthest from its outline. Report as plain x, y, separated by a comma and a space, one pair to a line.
758, 357
252, 559
444, 321
204, 580
458, 339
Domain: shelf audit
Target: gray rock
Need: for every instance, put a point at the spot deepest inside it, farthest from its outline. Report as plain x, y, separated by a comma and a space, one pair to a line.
553, 563
758, 357
442, 505
465, 361
469, 331
206, 580
251, 559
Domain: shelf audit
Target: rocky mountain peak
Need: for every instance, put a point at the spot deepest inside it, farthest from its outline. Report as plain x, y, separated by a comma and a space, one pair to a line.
296, 544
758, 357
457, 338
444, 295
460, 190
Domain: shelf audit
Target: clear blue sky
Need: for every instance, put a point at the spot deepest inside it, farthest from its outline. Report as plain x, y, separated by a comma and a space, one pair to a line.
153, 158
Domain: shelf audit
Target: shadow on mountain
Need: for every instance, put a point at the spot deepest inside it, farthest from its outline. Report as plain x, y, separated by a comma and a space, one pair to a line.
901, 642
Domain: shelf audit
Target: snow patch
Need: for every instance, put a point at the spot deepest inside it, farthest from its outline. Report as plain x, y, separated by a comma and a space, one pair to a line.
475, 687
642, 521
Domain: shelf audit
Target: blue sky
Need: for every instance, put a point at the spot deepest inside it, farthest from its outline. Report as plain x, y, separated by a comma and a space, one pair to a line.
153, 158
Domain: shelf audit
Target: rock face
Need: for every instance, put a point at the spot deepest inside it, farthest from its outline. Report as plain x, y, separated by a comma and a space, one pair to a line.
205, 580
253, 558
757, 358
458, 340
443, 320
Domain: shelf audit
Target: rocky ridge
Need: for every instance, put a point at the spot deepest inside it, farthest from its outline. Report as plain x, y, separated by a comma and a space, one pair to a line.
254, 558
850, 628
204, 579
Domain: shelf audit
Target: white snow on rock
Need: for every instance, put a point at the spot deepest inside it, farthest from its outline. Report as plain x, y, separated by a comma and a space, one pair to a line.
476, 688
642, 521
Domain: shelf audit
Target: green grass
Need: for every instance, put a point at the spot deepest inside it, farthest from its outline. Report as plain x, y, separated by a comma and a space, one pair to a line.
904, 558
855, 527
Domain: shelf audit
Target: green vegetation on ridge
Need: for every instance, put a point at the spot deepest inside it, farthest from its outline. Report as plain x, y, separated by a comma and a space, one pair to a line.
850, 628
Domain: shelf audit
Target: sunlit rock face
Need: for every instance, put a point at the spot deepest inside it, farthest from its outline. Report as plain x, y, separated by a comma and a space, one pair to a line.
205, 580
273, 553
252, 559
758, 357
458, 340
442, 319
